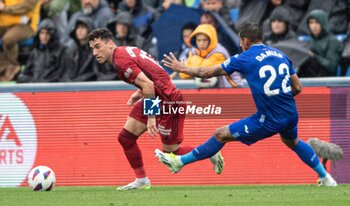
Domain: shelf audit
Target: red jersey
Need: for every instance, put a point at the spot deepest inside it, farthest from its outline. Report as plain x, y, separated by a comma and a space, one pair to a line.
128, 62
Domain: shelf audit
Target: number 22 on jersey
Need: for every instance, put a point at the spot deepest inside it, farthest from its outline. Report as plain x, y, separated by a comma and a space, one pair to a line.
283, 69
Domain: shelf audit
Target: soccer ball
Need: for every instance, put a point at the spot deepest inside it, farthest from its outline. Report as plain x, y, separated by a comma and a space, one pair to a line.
41, 178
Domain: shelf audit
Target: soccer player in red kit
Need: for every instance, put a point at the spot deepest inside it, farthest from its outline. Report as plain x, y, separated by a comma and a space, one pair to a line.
136, 67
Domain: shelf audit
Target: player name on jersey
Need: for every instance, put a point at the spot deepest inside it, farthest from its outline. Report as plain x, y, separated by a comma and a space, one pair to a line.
268, 53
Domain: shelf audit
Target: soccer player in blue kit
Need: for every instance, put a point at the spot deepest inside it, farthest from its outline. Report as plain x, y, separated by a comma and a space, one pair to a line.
273, 84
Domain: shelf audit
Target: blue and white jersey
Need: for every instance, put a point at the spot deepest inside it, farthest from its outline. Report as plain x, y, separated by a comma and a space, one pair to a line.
268, 72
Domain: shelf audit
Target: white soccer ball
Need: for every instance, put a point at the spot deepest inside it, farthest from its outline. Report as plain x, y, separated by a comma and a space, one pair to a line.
41, 178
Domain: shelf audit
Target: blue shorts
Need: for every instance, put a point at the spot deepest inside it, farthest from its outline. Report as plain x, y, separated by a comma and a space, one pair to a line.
257, 127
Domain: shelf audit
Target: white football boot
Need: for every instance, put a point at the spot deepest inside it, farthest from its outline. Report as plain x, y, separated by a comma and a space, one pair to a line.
328, 181
218, 162
142, 183
170, 160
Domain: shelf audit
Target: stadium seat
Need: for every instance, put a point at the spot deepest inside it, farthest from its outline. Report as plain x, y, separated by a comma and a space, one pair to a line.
348, 72
338, 73
304, 38
341, 37
234, 14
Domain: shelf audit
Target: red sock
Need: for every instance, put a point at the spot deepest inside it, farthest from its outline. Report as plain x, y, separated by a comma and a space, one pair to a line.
183, 150
132, 152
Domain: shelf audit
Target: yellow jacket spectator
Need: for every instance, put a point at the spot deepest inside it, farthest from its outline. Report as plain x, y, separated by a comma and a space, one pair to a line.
18, 21
20, 12
207, 52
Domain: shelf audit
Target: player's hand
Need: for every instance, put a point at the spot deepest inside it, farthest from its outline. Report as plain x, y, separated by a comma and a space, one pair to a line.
136, 96
172, 62
152, 127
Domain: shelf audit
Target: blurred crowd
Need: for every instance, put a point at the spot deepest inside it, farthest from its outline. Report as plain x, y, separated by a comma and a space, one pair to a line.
46, 40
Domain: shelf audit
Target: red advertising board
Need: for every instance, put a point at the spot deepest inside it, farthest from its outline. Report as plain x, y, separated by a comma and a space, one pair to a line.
75, 133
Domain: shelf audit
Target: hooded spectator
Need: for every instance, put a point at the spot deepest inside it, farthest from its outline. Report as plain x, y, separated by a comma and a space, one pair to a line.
45, 61
279, 26
208, 52
98, 10
325, 49
124, 32
80, 64
142, 16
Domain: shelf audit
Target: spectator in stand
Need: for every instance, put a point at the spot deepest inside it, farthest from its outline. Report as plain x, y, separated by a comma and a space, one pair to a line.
45, 61
98, 10
220, 7
279, 26
206, 51
167, 3
325, 49
19, 20
208, 18
142, 16
79, 64
297, 11
185, 48
337, 14
124, 32
114, 4
59, 11
256, 11
339, 17
153, 3
52, 8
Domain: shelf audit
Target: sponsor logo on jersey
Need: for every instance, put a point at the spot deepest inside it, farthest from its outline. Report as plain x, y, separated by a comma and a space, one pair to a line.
128, 72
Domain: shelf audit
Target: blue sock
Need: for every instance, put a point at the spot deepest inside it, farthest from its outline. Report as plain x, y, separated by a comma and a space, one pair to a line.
307, 154
203, 151
320, 170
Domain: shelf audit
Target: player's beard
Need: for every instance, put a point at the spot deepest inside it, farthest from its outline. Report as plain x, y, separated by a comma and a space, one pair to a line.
88, 10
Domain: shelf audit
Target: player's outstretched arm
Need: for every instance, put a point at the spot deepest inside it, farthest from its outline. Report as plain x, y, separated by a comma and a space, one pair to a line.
171, 62
296, 84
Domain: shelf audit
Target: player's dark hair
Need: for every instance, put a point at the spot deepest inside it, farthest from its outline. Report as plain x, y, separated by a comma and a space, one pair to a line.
103, 33
251, 31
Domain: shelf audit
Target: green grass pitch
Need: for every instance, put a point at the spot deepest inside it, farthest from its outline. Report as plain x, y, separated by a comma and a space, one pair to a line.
268, 195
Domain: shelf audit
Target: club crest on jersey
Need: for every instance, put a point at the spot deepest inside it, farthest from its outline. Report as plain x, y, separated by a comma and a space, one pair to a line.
128, 72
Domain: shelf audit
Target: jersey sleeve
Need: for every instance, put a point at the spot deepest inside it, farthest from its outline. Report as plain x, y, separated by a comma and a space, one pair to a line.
291, 67
129, 68
233, 64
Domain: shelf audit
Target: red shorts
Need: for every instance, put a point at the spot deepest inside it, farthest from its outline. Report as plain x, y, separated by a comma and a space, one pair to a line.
170, 126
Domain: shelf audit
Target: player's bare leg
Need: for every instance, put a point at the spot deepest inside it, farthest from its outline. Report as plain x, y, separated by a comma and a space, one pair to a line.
127, 138
308, 156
